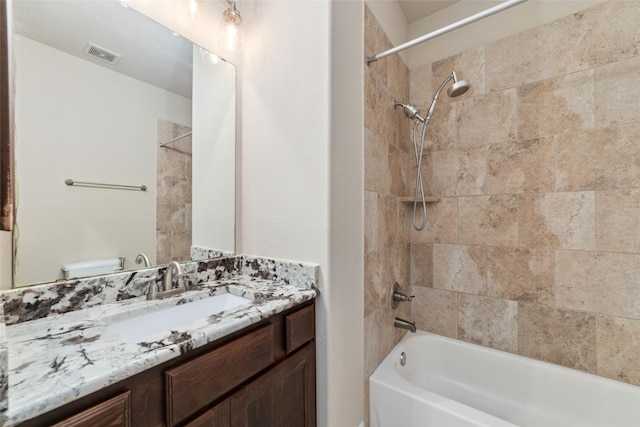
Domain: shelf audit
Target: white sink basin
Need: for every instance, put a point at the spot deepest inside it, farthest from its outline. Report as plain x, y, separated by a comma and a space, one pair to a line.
137, 328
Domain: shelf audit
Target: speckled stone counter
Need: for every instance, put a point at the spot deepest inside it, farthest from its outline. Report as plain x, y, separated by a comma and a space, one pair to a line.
68, 350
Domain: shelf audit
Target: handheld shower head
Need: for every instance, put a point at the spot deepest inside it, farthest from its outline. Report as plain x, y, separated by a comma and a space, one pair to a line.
458, 87
411, 111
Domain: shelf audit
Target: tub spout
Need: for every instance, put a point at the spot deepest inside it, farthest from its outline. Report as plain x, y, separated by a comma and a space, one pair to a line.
404, 324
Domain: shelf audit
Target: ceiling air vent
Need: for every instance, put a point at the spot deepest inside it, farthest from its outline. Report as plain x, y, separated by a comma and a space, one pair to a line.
102, 54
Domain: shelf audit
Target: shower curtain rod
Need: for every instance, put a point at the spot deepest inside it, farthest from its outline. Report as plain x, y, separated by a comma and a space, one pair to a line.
466, 21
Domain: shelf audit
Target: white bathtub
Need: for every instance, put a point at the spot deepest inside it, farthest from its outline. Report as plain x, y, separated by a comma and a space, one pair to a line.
450, 383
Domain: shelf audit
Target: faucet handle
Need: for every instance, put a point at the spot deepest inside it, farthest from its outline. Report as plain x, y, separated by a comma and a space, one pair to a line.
152, 290
396, 296
182, 284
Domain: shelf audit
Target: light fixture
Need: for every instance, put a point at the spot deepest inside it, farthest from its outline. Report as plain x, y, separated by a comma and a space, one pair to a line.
231, 37
193, 8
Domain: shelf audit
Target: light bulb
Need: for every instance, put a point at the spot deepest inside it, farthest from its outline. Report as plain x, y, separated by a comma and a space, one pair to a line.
193, 8
231, 37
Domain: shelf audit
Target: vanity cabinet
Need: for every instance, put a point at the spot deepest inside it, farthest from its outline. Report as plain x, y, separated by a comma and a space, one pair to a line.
261, 376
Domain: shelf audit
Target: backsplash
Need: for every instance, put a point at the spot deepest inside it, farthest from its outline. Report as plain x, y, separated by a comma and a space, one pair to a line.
34, 302
199, 253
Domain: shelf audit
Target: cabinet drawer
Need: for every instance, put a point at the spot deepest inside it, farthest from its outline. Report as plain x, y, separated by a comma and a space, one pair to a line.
113, 412
300, 328
196, 383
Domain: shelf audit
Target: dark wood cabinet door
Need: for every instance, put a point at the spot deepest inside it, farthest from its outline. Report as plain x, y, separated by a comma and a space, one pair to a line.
114, 412
282, 397
218, 416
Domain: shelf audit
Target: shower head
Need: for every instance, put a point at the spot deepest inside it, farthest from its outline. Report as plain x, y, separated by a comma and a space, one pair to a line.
411, 111
458, 88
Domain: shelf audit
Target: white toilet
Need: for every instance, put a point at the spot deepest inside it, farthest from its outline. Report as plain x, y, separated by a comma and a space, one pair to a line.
92, 267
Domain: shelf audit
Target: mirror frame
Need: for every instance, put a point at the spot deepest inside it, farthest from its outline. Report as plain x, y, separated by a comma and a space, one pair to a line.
6, 127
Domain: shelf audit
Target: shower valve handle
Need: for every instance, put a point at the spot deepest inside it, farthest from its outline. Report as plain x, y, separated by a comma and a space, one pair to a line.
397, 296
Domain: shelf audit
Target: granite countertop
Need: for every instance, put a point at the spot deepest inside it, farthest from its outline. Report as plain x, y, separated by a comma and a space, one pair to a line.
57, 358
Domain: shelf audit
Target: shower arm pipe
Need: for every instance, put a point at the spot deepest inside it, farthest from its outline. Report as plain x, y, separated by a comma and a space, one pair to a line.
466, 21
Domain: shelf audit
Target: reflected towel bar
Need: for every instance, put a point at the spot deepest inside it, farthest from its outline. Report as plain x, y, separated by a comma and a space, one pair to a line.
100, 185
176, 139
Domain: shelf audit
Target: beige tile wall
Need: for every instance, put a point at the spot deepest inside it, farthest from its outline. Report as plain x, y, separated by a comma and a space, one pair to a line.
387, 166
173, 200
534, 247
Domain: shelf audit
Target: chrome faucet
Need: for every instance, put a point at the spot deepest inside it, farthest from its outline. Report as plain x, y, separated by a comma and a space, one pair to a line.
169, 276
142, 258
155, 291
167, 289
404, 324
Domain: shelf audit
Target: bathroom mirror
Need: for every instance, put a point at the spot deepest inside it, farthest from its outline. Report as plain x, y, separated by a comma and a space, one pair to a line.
105, 95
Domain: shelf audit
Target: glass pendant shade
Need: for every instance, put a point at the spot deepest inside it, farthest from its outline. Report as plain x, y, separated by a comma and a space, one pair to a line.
231, 37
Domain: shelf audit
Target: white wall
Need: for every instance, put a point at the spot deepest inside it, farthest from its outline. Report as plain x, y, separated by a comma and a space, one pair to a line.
285, 131
214, 153
93, 125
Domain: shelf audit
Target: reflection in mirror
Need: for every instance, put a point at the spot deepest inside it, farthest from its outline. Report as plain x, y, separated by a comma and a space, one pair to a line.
105, 95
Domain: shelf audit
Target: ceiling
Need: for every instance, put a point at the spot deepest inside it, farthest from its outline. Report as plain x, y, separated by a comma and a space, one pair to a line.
415, 10
150, 52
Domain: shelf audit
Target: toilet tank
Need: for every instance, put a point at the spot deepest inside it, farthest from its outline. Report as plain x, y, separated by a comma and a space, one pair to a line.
91, 267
